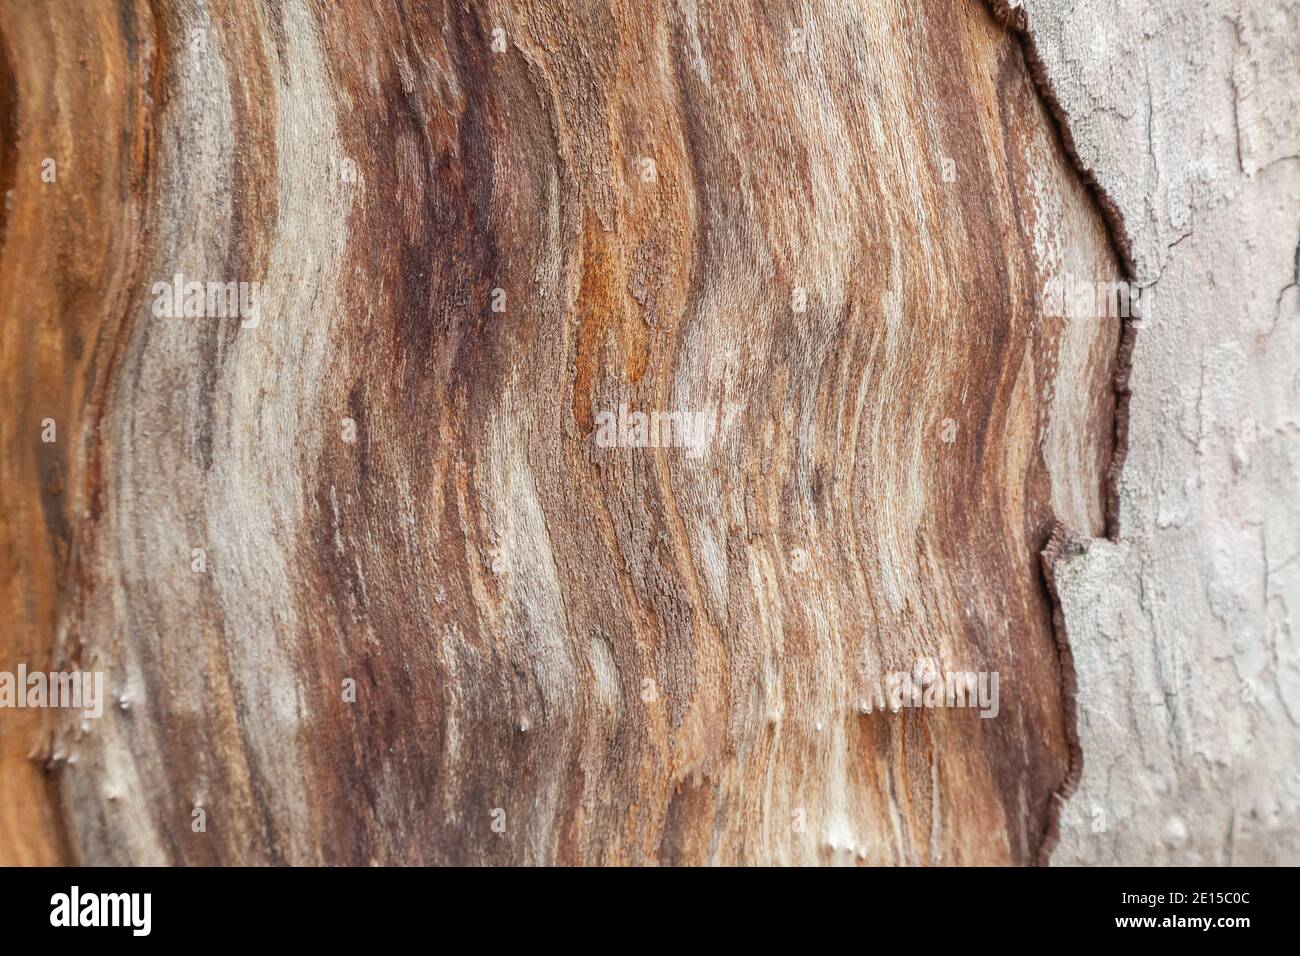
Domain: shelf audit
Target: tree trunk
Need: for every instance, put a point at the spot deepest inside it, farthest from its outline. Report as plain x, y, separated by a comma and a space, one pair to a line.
381, 568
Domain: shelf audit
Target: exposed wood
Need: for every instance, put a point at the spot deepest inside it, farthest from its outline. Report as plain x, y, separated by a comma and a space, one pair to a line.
638, 654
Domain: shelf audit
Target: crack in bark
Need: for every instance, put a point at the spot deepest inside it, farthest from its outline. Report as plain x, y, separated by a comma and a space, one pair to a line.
1066, 542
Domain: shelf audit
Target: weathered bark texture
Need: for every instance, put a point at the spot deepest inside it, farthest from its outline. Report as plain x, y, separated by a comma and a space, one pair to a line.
1184, 627
638, 654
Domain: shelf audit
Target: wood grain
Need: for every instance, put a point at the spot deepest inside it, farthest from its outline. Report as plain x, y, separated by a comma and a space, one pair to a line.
640, 655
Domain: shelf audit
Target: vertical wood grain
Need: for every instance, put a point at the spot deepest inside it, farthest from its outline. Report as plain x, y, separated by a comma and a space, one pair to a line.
639, 655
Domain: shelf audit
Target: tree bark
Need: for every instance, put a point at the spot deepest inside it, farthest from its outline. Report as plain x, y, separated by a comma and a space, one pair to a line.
1183, 623
822, 228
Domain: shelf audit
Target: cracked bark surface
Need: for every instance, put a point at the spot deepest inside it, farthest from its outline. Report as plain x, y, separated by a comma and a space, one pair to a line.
1183, 625
637, 655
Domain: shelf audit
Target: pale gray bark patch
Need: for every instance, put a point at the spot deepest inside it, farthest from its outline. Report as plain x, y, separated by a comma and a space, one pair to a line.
1183, 629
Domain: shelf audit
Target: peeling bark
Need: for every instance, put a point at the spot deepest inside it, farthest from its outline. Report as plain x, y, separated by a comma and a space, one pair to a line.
1187, 116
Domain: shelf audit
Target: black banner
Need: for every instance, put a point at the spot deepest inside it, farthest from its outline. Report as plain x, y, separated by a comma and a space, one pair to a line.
966, 907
